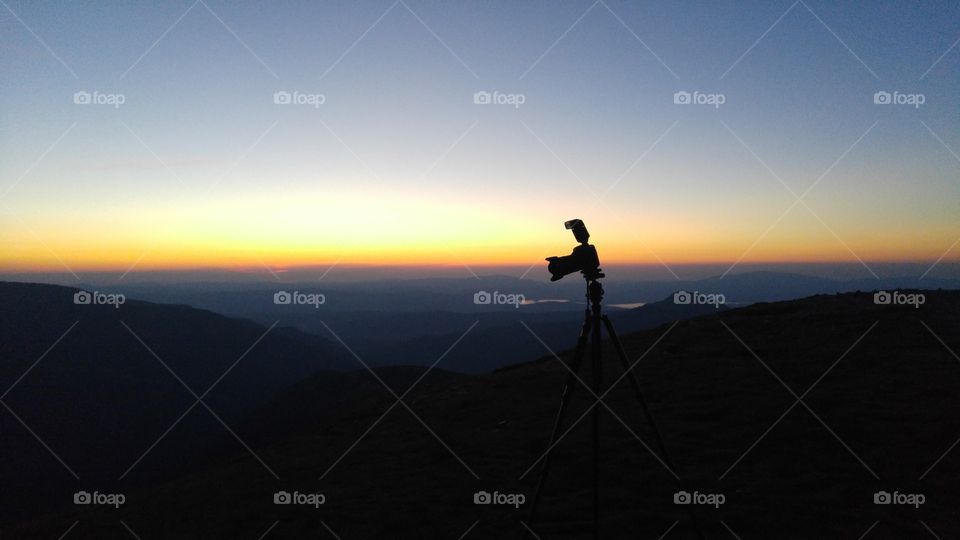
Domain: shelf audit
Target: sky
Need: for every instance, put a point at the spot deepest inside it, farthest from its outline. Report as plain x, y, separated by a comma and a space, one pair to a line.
206, 133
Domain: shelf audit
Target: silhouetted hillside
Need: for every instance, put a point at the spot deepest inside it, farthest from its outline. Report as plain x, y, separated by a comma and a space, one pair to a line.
878, 412
80, 379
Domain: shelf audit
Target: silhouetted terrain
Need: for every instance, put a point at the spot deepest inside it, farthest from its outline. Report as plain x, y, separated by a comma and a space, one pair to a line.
877, 411
79, 378
100, 399
416, 320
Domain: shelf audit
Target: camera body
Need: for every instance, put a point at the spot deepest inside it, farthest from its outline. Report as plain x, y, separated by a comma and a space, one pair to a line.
582, 259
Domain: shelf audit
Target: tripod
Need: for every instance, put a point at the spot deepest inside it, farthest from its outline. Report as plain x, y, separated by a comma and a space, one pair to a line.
590, 331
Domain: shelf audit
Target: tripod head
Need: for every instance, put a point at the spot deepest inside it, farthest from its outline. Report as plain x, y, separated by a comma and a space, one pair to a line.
593, 274
594, 294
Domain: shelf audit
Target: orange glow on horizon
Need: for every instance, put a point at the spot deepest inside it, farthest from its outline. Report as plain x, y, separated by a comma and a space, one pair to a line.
288, 231
55, 258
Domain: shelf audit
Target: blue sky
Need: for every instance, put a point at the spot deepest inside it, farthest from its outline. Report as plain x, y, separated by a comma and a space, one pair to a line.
199, 133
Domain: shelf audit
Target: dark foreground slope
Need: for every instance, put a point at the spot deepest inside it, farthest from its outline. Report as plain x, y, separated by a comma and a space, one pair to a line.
88, 389
797, 412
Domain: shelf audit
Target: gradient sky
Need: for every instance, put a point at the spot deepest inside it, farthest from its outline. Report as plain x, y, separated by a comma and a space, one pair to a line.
199, 166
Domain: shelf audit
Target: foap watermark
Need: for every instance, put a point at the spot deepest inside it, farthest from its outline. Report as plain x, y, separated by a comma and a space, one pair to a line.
699, 98
282, 97
515, 500
499, 98
908, 499
303, 499
883, 97
83, 97
497, 298
709, 499
897, 298
97, 298
697, 298
104, 499
297, 298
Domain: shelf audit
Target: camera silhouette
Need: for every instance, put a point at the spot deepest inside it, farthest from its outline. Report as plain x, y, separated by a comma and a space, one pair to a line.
81, 497
681, 98
282, 298
482, 497
682, 297
681, 497
482, 98
82, 297
882, 297
81, 98
881, 497
482, 298
282, 497
281, 97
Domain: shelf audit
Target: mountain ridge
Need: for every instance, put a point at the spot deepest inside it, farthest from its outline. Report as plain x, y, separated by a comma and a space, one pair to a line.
878, 389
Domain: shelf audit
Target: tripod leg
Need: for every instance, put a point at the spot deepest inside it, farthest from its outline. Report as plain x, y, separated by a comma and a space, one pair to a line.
646, 411
597, 354
557, 423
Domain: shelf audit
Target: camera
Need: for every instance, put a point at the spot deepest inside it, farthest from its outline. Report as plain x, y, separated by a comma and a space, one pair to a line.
583, 258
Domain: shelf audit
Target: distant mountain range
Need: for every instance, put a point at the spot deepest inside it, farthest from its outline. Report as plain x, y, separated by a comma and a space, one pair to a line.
412, 296
414, 321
